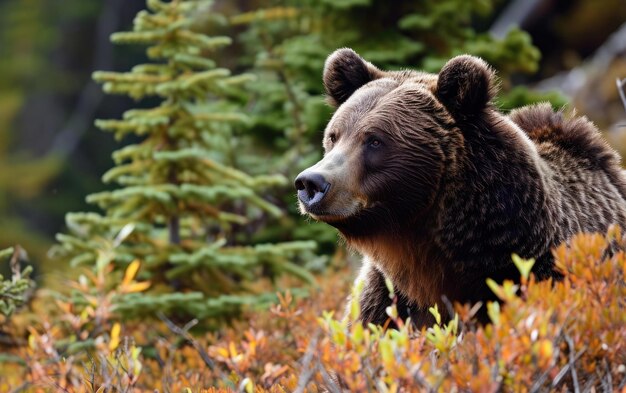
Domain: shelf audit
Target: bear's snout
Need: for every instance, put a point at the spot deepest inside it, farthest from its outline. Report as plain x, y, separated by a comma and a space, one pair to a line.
312, 187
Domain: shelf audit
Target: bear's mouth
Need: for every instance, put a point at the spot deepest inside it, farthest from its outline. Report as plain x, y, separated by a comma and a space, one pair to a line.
367, 221
357, 209
321, 213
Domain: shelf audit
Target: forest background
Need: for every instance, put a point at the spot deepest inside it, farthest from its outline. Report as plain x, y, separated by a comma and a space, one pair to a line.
245, 94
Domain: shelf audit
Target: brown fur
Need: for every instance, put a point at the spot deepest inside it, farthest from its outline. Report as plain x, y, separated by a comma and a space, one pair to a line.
437, 189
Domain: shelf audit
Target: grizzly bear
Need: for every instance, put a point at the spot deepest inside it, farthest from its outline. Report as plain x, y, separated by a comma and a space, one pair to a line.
436, 188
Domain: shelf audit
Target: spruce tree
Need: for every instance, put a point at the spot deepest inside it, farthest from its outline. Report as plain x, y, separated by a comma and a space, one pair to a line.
181, 203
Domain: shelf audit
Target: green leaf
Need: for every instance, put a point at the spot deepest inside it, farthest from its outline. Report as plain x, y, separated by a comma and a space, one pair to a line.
523, 265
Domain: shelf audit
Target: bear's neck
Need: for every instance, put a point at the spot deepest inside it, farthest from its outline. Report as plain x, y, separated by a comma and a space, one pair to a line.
411, 260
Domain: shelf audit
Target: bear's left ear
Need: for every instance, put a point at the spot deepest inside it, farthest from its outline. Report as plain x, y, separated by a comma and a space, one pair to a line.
465, 86
344, 72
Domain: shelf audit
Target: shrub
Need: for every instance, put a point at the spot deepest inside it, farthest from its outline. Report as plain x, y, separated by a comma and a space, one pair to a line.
14, 292
566, 335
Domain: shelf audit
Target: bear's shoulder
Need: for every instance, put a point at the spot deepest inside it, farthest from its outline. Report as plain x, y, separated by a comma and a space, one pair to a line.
575, 135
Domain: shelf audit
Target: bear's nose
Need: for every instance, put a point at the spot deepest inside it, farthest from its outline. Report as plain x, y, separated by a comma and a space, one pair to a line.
311, 187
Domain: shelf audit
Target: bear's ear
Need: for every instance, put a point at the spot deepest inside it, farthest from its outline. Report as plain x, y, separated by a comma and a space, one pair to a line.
344, 72
465, 86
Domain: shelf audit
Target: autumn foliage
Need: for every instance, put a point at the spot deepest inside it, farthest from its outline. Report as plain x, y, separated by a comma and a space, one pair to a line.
567, 336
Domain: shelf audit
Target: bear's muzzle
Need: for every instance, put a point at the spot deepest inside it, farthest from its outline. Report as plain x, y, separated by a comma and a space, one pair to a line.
312, 187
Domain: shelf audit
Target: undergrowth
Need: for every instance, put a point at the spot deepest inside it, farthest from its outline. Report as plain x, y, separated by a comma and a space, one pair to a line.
565, 336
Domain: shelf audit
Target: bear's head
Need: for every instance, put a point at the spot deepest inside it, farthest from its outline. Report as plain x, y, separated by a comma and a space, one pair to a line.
392, 142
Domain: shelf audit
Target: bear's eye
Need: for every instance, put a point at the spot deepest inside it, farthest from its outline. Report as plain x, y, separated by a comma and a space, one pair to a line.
333, 138
375, 143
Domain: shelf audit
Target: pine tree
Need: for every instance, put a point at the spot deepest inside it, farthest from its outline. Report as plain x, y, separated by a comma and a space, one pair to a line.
181, 204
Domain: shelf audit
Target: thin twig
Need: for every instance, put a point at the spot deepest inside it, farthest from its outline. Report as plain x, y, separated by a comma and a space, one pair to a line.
572, 367
331, 384
90, 372
538, 384
184, 332
562, 372
308, 372
622, 383
606, 380
419, 378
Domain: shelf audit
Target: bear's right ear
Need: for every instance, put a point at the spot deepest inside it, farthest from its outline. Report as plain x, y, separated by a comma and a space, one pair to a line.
465, 86
344, 72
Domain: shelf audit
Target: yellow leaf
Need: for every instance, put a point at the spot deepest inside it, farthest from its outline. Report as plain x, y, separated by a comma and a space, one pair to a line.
252, 348
357, 333
131, 272
232, 349
137, 287
137, 366
389, 285
249, 386
223, 352
115, 336
32, 342
386, 352
435, 312
546, 349
493, 311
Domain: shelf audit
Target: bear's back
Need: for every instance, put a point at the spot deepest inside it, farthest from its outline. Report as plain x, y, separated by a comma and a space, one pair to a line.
584, 176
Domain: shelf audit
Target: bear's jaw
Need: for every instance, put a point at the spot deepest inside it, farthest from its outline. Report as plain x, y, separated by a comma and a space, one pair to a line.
350, 217
336, 216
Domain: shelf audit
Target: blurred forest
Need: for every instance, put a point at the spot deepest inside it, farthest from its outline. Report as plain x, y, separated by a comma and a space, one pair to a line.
153, 143
53, 156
